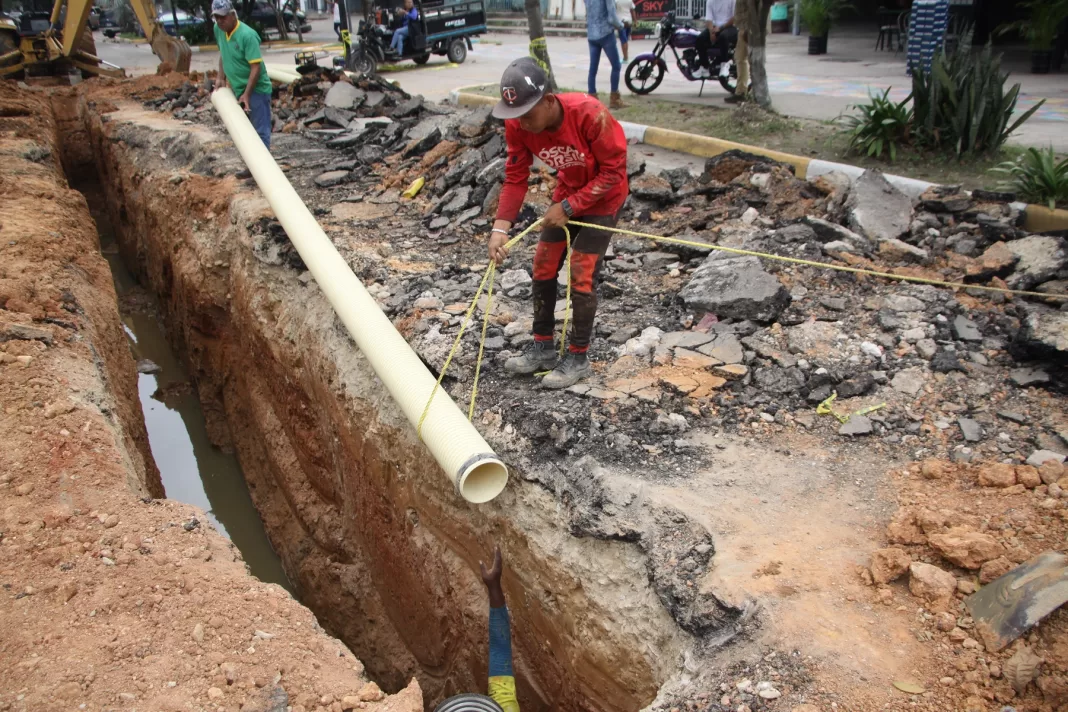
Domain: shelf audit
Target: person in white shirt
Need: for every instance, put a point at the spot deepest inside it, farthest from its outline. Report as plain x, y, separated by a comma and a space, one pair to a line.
337, 19
625, 12
719, 33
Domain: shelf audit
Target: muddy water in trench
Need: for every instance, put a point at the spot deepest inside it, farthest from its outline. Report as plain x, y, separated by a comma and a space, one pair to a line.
193, 470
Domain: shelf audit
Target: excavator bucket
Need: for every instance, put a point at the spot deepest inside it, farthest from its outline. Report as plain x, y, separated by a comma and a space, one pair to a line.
1007, 607
174, 54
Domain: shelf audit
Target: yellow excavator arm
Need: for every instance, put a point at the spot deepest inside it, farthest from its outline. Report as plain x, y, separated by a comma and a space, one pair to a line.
174, 54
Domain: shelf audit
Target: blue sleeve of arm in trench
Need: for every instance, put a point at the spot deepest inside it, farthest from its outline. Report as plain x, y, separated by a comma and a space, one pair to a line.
500, 643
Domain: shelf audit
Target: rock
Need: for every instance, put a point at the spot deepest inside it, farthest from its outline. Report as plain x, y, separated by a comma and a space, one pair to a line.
966, 330
1028, 476
910, 381
215, 693
644, 344
408, 107
514, 278
684, 358
828, 233
267, 699
873, 350
927, 348
24, 333
945, 622
685, 339
459, 200
889, 564
429, 302
834, 303
997, 261
904, 529
900, 251
856, 425
856, 386
904, 303
946, 361
198, 633
876, 209
970, 429
658, 259
994, 569
652, 188
945, 199
797, 232
1040, 457
476, 122
1051, 472
935, 469
24, 489
736, 288
765, 690
338, 117
931, 583
997, 474
1045, 333
780, 381
148, 367
420, 146
332, 178
1040, 257
966, 547
635, 164
726, 349
343, 95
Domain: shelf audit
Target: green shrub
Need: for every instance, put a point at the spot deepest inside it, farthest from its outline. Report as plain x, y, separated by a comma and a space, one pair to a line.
962, 105
1037, 177
819, 15
881, 126
198, 34
1043, 21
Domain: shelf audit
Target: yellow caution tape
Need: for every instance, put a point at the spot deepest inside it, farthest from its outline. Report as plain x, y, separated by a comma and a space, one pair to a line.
825, 408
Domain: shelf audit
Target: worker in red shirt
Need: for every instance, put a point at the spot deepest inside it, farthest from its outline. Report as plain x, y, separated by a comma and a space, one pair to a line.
575, 135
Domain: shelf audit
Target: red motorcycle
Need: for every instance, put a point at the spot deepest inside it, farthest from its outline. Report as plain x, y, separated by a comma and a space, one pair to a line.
647, 70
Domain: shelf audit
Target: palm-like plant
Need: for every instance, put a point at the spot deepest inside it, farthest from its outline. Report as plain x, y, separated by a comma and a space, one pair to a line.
880, 126
1041, 25
1037, 176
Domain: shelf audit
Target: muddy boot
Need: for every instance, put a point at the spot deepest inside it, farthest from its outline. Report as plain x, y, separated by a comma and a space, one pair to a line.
615, 101
568, 372
541, 356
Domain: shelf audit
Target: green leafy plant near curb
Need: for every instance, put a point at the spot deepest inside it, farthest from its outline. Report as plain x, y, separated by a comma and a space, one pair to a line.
1037, 177
1040, 27
960, 107
882, 126
198, 34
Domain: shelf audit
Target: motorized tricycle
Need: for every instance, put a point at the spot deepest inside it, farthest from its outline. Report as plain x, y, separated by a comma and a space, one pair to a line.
444, 29
645, 73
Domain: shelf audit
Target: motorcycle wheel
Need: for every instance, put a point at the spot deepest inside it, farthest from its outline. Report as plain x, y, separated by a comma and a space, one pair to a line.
422, 58
644, 75
364, 63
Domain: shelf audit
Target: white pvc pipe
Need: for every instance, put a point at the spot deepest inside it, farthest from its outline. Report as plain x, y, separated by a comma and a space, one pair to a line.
477, 473
285, 76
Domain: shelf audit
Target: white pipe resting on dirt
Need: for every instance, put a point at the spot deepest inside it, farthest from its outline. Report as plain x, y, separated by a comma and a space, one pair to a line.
277, 74
477, 473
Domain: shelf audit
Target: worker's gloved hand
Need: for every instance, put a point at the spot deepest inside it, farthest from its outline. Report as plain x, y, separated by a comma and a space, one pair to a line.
555, 217
497, 251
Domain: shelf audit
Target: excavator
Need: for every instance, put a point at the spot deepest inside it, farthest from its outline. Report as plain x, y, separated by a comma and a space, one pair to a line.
55, 39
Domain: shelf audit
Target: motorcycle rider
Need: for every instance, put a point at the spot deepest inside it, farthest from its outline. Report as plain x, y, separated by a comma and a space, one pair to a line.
719, 32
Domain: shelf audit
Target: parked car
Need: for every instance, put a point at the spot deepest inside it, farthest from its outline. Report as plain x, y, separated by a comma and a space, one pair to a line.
166, 20
94, 18
264, 14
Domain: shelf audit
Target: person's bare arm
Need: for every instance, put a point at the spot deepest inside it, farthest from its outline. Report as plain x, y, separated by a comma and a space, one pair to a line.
220, 78
492, 578
253, 77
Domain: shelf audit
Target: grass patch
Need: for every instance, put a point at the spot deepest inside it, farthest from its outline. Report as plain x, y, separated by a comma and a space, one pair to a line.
130, 36
751, 125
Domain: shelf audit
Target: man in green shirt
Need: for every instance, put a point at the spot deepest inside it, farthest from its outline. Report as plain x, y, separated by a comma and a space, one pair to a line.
241, 66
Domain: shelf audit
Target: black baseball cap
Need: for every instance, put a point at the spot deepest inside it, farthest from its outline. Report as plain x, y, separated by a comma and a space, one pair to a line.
522, 86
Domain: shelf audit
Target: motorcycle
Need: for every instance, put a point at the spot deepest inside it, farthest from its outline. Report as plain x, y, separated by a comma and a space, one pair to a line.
647, 70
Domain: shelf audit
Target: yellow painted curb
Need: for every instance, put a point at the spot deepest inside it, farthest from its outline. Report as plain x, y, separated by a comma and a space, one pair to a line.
707, 147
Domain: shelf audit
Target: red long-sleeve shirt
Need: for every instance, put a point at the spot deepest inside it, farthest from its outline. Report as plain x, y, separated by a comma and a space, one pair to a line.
588, 151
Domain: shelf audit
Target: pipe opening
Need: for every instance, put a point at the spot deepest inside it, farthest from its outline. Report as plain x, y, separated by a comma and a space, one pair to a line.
483, 481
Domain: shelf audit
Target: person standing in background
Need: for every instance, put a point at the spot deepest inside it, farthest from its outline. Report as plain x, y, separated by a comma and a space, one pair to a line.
625, 12
601, 25
241, 66
337, 19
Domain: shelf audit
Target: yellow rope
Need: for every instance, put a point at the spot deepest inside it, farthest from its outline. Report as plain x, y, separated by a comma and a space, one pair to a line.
822, 265
488, 277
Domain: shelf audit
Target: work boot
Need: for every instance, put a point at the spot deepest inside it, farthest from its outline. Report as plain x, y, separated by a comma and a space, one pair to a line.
615, 101
541, 356
568, 372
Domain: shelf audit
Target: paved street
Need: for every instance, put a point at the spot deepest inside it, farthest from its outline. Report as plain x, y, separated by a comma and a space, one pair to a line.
801, 85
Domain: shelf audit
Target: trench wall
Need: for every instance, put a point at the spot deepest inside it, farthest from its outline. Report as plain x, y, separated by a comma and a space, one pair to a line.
368, 528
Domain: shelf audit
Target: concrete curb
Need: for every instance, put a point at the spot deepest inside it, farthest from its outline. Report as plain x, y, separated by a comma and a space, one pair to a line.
1037, 218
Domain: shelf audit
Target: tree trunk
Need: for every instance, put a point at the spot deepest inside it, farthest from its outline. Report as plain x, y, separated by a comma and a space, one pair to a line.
283, 34
293, 6
742, 13
538, 49
759, 11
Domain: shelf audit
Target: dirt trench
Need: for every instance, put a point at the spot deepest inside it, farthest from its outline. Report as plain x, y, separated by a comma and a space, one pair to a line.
368, 528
